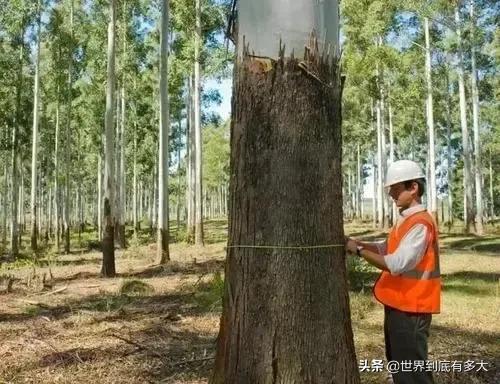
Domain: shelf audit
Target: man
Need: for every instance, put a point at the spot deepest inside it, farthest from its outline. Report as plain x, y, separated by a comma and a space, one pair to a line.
410, 284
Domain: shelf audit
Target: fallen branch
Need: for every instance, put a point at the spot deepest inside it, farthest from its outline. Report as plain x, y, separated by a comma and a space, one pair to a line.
137, 345
56, 291
191, 361
38, 304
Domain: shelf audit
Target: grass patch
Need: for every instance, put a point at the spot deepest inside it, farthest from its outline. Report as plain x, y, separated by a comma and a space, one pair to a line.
208, 295
136, 288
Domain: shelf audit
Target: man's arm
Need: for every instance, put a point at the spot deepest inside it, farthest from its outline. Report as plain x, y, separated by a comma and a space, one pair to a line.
369, 253
408, 254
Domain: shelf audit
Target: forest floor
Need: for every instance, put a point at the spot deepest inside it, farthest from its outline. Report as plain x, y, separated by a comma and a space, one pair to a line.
60, 322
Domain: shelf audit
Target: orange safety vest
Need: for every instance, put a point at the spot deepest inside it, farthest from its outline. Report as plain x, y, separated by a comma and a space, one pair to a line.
418, 290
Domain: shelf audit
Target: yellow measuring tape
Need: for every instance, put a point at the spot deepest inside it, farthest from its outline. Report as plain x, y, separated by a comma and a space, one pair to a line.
285, 247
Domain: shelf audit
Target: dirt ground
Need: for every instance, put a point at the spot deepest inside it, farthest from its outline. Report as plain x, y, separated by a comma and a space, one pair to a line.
62, 323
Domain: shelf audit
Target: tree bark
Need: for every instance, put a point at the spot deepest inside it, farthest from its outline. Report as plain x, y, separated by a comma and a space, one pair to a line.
57, 200
164, 127
34, 150
432, 189
286, 311
467, 181
478, 171
108, 244
198, 230
14, 225
449, 152
192, 168
68, 141
492, 196
5, 202
99, 196
380, 172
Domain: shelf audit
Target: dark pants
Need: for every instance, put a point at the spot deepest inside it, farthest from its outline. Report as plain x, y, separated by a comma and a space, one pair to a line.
406, 340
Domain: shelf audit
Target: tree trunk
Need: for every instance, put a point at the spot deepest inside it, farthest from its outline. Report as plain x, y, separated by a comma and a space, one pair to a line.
14, 228
5, 202
68, 143
432, 189
380, 173
108, 248
467, 182
57, 200
492, 196
192, 168
449, 154
394, 210
34, 151
134, 187
163, 216
198, 230
359, 185
286, 311
99, 196
121, 179
478, 171
179, 195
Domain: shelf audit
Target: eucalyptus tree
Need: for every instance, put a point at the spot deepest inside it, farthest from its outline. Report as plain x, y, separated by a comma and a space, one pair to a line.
36, 120
198, 224
108, 245
475, 123
467, 169
285, 167
163, 222
432, 189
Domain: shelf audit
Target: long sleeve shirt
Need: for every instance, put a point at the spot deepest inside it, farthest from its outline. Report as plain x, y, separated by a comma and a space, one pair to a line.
411, 248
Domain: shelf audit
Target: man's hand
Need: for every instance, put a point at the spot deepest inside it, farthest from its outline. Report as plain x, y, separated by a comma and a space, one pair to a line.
351, 245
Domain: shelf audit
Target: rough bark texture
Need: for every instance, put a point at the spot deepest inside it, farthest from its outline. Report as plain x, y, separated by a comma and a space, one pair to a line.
286, 315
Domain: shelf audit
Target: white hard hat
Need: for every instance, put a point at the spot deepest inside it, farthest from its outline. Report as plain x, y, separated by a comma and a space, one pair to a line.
403, 170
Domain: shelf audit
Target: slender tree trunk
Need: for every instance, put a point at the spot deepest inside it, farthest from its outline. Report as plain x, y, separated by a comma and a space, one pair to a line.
192, 168
430, 125
492, 196
359, 185
467, 182
478, 171
5, 202
108, 248
134, 197
122, 174
198, 230
394, 210
57, 201
14, 229
163, 216
21, 218
449, 154
99, 196
284, 309
34, 151
380, 173
189, 128
68, 141
179, 194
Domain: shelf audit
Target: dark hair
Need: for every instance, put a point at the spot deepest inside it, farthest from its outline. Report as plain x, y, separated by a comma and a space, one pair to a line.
420, 183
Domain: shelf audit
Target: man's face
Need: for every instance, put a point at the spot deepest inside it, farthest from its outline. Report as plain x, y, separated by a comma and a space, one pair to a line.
402, 196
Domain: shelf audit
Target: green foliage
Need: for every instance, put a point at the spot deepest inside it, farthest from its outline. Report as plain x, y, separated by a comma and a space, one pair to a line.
136, 287
209, 295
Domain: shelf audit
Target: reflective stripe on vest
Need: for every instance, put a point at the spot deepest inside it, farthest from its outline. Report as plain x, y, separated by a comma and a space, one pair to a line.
425, 275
